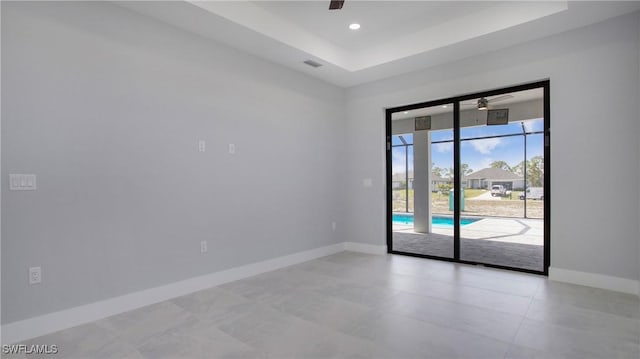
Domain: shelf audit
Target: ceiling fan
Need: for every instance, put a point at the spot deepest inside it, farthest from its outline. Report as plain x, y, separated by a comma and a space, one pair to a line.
336, 4
483, 103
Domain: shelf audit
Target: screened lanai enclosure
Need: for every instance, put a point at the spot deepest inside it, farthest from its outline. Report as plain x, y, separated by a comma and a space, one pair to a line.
491, 148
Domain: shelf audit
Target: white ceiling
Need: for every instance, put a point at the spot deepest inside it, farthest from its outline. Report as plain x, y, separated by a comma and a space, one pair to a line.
396, 36
379, 19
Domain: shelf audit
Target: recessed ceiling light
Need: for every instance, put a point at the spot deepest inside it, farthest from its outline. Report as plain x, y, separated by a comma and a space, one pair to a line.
354, 26
406, 112
444, 106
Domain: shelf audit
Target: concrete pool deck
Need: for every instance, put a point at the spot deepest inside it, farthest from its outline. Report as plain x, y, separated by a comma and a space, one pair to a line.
512, 242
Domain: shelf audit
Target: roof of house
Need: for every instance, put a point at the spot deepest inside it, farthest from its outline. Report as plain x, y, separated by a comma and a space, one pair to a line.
401, 176
494, 174
436, 178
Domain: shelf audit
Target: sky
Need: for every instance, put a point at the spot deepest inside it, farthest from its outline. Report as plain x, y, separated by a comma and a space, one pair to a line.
478, 154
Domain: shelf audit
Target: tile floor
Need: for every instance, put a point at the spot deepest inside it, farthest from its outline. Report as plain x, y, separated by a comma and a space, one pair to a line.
360, 306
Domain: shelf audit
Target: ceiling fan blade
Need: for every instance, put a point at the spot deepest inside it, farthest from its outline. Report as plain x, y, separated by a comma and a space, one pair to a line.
336, 4
500, 98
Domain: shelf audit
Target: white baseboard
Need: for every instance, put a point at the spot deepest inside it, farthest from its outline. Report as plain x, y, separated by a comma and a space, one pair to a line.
601, 281
64, 319
365, 248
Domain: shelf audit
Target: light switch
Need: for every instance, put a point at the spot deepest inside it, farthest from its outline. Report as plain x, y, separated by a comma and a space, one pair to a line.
22, 182
232, 149
35, 275
14, 181
367, 182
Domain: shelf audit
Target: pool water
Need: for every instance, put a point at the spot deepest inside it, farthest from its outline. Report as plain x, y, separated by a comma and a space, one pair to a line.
439, 221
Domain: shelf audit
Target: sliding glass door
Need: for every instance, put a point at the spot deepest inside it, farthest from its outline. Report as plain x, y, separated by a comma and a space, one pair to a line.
502, 152
422, 180
468, 178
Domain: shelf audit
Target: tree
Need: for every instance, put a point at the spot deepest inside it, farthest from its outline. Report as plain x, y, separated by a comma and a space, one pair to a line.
437, 171
518, 169
535, 171
501, 165
444, 188
465, 170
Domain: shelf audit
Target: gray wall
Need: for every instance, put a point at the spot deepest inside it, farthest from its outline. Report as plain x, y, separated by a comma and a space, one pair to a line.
593, 146
107, 108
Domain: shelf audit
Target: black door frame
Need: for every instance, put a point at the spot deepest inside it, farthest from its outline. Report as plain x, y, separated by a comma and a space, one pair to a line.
545, 84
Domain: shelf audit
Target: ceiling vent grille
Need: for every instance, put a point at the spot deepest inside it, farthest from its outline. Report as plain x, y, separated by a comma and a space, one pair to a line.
312, 63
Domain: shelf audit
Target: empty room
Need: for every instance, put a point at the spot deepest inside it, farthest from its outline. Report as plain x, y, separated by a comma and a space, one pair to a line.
320, 179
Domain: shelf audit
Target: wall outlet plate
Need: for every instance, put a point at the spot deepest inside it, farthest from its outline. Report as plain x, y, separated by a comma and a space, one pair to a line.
35, 275
203, 247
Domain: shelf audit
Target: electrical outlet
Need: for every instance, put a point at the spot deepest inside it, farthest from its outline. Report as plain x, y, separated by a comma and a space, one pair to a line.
202, 146
333, 226
35, 275
203, 247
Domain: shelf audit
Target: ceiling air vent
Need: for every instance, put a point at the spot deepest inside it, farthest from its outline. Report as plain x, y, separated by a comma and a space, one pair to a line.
312, 63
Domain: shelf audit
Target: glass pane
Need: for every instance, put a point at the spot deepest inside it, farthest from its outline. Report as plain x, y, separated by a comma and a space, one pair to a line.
534, 196
408, 138
441, 135
422, 216
401, 140
501, 221
399, 178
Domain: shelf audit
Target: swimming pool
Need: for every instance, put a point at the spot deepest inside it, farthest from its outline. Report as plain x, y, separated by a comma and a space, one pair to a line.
438, 221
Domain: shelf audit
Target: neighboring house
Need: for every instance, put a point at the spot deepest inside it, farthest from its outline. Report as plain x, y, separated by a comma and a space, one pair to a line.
436, 181
487, 177
399, 180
